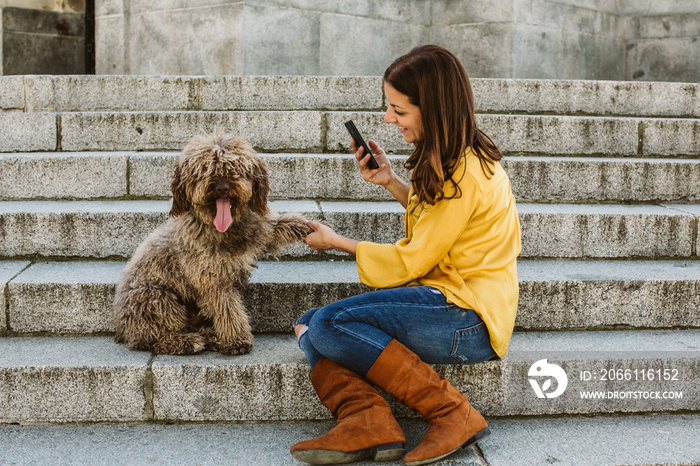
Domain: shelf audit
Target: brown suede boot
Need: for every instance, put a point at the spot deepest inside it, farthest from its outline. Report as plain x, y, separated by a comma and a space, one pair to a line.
366, 428
453, 421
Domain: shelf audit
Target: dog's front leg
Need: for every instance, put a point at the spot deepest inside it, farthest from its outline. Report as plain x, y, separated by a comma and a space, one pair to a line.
287, 229
230, 321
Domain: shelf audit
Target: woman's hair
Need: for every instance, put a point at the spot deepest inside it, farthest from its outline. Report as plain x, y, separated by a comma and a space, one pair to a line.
433, 79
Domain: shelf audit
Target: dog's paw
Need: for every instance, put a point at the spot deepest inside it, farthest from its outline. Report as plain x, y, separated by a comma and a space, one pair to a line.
292, 227
210, 337
299, 232
236, 348
184, 343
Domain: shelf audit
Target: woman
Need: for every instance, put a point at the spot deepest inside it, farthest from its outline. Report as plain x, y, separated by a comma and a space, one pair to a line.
458, 259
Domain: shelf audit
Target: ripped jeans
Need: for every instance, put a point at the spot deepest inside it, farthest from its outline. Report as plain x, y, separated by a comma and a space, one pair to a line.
354, 331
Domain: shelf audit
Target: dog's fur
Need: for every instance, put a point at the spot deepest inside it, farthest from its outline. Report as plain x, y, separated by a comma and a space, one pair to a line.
181, 292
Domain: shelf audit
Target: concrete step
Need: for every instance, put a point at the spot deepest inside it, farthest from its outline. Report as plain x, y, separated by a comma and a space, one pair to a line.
76, 297
323, 131
99, 229
217, 93
637, 439
53, 94
618, 180
92, 379
96, 175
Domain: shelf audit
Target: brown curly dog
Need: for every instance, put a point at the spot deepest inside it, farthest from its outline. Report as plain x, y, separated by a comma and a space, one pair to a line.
181, 291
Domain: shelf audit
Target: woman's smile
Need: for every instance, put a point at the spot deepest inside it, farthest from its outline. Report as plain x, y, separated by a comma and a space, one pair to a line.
403, 114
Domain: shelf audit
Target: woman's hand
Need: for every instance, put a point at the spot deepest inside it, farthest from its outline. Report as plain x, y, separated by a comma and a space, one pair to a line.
323, 238
382, 175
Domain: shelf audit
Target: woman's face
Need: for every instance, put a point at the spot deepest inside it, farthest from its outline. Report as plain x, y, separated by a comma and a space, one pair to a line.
403, 114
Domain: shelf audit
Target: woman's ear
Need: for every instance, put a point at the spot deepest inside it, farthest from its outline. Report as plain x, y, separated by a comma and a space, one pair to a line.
261, 188
180, 203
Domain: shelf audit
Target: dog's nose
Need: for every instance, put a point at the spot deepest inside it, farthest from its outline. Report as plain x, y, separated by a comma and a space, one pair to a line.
222, 189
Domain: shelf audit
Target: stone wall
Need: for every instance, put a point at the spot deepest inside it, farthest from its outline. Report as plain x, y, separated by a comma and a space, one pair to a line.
561, 39
311, 37
665, 48
632, 40
572, 39
75, 6
42, 37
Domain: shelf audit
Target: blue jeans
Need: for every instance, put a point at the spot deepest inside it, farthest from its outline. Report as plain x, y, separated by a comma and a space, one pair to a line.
354, 331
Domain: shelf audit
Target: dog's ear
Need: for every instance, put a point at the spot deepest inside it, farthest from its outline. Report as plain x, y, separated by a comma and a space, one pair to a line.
180, 203
261, 188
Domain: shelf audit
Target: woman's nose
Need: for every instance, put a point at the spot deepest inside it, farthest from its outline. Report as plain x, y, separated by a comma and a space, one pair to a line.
389, 116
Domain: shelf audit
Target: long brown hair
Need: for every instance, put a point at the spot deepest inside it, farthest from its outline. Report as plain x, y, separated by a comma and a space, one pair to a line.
433, 79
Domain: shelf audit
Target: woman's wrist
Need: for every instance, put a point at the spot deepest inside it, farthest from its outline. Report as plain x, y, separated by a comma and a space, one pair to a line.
341, 243
398, 188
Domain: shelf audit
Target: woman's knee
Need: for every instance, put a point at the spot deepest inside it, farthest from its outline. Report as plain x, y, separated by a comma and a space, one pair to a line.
322, 314
327, 318
306, 317
315, 326
324, 326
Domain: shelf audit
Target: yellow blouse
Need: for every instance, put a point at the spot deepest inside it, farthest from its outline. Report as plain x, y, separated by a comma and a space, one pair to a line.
466, 247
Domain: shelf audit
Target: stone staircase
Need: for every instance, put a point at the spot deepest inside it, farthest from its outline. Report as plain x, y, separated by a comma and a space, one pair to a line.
607, 176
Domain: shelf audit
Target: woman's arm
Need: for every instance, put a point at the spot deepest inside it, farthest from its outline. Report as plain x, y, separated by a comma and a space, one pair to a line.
324, 238
432, 230
399, 189
384, 175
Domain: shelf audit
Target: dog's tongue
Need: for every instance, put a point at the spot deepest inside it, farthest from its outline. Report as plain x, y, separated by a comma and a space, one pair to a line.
223, 215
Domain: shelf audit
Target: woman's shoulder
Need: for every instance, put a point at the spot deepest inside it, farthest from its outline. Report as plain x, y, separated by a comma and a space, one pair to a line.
485, 174
469, 164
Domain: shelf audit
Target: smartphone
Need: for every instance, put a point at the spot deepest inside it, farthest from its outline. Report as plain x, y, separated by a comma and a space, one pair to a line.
355, 134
